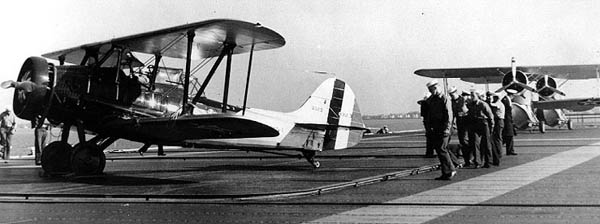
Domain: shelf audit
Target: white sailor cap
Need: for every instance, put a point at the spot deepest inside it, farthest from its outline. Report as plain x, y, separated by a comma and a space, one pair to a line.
511, 91
432, 83
427, 94
452, 89
478, 92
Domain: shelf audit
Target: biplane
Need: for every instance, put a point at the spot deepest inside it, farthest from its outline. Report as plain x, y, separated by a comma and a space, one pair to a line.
104, 90
547, 110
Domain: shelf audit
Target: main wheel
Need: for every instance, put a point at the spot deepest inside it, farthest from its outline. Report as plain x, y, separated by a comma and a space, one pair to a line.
88, 159
56, 158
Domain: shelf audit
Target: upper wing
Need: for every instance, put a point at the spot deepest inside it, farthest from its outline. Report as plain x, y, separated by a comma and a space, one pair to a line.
209, 38
495, 74
474, 75
576, 104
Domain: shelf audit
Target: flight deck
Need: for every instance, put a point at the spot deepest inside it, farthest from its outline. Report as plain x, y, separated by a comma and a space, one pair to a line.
381, 180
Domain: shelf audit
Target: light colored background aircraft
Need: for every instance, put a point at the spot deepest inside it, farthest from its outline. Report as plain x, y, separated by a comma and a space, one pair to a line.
547, 110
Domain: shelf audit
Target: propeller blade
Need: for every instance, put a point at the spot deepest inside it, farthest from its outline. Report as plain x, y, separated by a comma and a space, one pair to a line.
504, 87
513, 66
526, 87
556, 90
26, 86
7, 84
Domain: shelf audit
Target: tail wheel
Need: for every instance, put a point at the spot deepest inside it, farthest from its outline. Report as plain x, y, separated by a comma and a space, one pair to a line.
570, 124
56, 158
310, 155
88, 159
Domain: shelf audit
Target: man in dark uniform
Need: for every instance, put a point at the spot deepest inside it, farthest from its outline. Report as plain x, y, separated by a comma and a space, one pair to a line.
7, 127
496, 135
479, 138
508, 131
439, 118
428, 149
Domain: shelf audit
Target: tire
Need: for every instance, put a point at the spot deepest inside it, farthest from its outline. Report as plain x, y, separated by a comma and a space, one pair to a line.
56, 158
87, 159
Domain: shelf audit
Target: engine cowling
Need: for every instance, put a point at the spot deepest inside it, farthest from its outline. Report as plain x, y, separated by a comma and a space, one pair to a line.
32, 88
515, 82
546, 87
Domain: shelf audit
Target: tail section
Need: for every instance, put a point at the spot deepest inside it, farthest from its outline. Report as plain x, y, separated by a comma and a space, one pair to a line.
332, 107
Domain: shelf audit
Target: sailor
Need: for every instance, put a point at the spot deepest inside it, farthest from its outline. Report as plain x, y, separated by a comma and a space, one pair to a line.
439, 118
482, 119
459, 111
383, 130
429, 152
455, 152
463, 127
498, 111
508, 132
7, 127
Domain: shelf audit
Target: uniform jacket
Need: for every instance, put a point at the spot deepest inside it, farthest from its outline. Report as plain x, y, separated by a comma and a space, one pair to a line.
439, 114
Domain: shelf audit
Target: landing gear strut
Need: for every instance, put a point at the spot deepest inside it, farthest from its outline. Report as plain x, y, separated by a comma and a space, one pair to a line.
85, 158
310, 157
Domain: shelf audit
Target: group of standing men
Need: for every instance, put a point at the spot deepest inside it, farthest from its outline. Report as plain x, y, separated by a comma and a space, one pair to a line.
483, 123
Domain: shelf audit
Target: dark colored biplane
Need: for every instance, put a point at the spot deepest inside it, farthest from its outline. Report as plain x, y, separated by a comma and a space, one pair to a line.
104, 90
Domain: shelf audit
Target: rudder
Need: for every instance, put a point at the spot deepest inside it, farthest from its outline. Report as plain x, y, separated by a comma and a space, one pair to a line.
333, 105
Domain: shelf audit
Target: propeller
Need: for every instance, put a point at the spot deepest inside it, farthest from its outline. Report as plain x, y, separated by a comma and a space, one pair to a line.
31, 88
26, 86
516, 80
547, 87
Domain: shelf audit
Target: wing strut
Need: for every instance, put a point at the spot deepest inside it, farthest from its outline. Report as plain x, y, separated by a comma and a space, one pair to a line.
188, 63
210, 74
248, 78
227, 76
119, 57
157, 58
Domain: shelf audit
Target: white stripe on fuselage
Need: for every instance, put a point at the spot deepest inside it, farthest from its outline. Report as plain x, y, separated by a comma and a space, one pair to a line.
345, 116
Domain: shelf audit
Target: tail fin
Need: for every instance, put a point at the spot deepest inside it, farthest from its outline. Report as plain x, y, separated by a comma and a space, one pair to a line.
332, 107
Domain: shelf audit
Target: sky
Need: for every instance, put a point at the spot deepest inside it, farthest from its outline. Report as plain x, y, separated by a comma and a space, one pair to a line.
375, 46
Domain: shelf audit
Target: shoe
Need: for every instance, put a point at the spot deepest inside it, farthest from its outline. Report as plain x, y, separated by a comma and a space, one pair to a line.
459, 166
495, 164
452, 174
486, 166
162, 154
141, 153
446, 177
511, 154
443, 177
